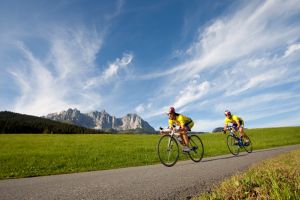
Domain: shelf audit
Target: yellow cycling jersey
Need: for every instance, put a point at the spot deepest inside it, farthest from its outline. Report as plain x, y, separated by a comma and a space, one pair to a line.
234, 119
180, 120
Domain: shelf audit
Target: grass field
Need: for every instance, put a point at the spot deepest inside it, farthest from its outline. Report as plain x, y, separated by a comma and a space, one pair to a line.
26, 155
276, 178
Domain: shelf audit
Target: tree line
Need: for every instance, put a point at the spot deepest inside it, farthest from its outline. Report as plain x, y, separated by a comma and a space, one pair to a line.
11, 122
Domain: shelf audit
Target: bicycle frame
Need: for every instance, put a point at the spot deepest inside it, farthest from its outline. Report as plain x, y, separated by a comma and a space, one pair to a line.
232, 133
240, 142
174, 132
168, 147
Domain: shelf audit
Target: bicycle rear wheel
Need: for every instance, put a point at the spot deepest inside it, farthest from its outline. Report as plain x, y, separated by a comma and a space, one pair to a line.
197, 149
233, 145
168, 150
247, 144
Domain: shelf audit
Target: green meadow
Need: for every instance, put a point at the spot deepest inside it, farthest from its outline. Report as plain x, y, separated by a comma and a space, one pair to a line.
27, 155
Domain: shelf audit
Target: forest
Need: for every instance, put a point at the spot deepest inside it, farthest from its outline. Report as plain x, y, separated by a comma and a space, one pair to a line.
11, 122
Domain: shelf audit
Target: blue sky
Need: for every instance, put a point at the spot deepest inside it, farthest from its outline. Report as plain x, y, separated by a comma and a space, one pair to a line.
132, 56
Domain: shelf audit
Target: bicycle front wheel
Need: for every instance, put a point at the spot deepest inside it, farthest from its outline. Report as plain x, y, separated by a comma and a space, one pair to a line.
247, 144
197, 149
233, 145
168, 150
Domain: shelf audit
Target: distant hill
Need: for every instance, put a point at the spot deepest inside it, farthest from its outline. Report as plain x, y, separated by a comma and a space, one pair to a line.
103, 121
19, 123
218, 129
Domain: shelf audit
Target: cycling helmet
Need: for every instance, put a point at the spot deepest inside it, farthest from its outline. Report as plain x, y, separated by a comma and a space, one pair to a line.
227, 113
171, 110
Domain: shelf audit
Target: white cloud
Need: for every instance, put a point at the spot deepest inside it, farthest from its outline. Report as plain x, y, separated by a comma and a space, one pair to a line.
239, 55
287, 121
263, 79
247, 32
117, 11
55, 83
256, 101
111, 72
73, 51
292, 49
113, 68
194, 91
207, 125
140, 109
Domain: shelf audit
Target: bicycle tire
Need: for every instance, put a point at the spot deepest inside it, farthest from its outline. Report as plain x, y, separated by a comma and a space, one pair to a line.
168, 150
197, 148
233, 146
248, 147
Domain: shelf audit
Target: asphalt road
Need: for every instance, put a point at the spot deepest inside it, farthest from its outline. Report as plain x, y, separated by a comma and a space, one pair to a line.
181, 181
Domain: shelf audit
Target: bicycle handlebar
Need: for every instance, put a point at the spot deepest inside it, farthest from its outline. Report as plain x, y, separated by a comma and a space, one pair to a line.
169, 131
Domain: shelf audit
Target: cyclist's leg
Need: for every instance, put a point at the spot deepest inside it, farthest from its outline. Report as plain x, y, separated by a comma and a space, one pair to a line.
187, 127
242, 132
183, 134
241, 129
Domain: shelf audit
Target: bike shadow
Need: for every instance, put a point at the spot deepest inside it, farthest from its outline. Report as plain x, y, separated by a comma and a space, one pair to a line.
241, 154
223, 157
229, 156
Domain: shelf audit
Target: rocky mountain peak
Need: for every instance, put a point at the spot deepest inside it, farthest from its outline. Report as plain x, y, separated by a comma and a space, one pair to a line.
102, 120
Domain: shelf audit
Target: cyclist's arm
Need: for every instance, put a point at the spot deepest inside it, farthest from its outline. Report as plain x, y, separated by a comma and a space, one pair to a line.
171, 124
225, 125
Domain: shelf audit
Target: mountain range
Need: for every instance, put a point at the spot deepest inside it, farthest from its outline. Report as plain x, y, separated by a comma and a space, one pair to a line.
103, 121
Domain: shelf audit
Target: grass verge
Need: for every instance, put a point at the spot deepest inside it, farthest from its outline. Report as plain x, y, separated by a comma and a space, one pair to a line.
276, 178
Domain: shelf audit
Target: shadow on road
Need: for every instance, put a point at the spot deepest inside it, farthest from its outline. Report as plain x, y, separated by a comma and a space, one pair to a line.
223, 158
243, 154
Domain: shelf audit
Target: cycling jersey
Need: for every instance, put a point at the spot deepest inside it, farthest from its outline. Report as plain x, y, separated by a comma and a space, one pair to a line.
234, 120
182, 120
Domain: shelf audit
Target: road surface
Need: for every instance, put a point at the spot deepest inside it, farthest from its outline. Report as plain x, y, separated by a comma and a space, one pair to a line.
181, 181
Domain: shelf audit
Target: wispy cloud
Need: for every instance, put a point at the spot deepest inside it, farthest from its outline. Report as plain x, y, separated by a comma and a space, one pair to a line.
191, 93
55, 83
255, 101
242, 53
117, 11
291, 49
111, 72
208, 124
56, 77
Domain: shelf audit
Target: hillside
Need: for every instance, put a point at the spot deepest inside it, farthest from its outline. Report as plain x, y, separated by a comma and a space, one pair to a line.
19, 123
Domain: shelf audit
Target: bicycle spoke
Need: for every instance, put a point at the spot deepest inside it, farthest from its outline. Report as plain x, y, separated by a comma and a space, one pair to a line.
168, 150
232, 144
197, 149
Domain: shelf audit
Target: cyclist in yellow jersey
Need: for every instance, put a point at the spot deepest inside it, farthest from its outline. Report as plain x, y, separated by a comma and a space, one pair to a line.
185, 124
237, 122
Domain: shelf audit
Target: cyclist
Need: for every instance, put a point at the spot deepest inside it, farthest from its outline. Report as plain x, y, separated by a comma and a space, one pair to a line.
237, 123
185, 124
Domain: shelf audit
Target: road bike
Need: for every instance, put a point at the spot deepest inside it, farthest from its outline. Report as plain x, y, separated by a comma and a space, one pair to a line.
168, 148
235, 143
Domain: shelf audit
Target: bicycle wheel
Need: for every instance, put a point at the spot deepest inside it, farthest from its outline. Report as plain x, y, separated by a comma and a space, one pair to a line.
233, 145
247, 144
168, 150
197, 149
